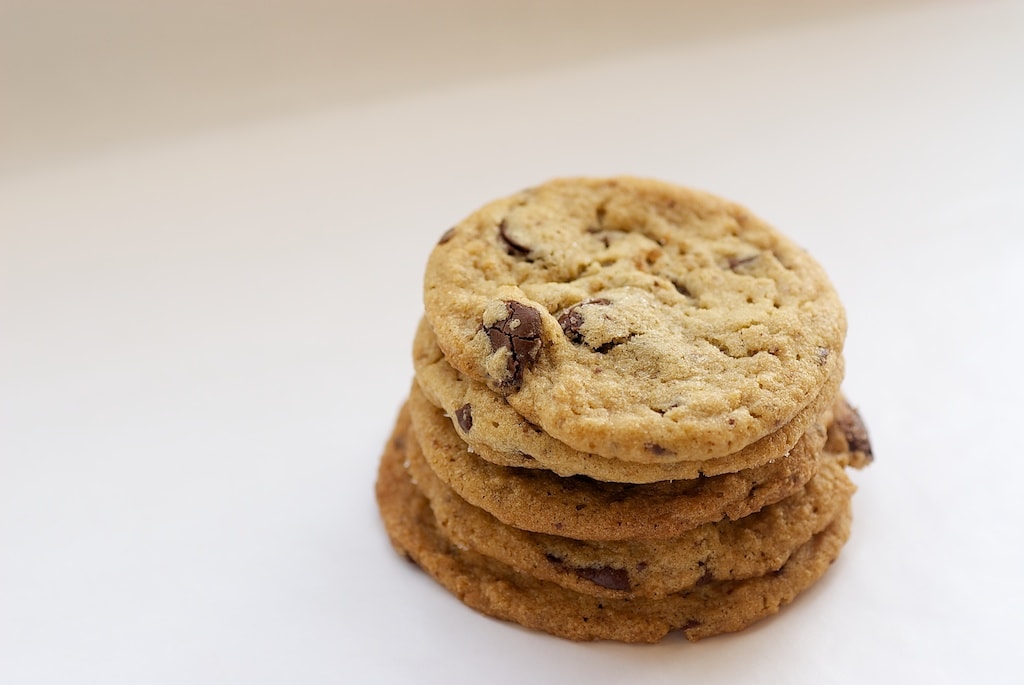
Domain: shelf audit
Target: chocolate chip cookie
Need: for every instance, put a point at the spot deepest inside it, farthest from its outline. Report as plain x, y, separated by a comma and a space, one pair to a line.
635, 319
497, 433
625, 418
724, 550
498, 590
579, 507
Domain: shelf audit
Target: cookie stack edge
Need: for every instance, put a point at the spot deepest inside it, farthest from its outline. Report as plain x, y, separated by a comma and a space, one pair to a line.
667, 514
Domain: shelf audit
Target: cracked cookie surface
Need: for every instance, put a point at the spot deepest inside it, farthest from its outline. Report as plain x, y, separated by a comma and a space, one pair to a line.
497, 433
634, 319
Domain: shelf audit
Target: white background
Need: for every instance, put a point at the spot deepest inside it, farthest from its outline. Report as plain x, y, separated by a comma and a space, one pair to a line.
205, 328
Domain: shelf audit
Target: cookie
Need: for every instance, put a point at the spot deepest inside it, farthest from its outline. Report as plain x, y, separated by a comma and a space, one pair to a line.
496, 590
579, 507
626, 418
726, 550
635, 319
497, 433
848, 435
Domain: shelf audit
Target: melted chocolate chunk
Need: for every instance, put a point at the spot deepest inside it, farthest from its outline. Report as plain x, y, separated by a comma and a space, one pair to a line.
606, 577
464, 415
519, 333
570, 321
607, 347
855, 432
572, 318
515, 249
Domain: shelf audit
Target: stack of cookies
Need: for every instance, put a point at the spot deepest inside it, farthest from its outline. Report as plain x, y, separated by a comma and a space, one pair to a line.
626, 416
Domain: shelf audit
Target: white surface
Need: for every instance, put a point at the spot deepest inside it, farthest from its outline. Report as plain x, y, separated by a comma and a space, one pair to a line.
204, 341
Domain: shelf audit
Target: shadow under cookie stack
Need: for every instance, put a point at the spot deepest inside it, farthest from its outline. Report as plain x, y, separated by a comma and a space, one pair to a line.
626, 417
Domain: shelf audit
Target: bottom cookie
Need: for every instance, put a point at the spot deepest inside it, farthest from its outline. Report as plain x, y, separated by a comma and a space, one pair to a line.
496, 590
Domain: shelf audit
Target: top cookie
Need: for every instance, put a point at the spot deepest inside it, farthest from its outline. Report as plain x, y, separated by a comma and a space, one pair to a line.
635, 319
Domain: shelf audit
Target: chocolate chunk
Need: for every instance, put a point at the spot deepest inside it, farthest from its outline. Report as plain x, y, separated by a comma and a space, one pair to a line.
515, 249
656, 449
855, 432
606, 577
519, 333
464, 415
572, 318
570, 321
607, 347
448, 235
